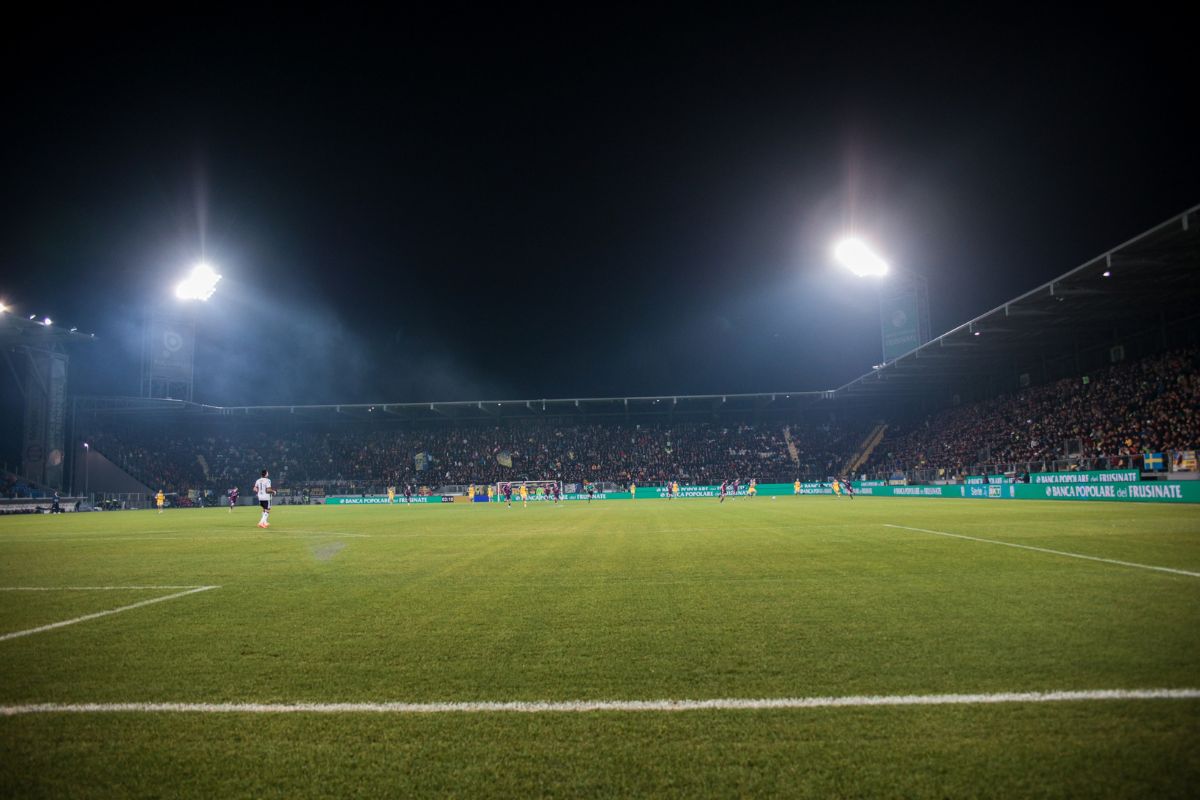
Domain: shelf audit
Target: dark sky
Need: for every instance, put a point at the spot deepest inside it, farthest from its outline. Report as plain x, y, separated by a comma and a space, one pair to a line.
549, 206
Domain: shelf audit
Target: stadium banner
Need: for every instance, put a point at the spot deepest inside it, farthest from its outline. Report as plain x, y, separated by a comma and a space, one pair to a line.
1111, 476
899, 323
1183, 461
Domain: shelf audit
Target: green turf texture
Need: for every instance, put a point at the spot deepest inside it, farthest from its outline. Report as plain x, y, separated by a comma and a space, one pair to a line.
686, 599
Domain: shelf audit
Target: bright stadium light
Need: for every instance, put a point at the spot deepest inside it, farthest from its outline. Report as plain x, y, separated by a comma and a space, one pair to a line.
199, 284
3, 308
854, 255
47, 322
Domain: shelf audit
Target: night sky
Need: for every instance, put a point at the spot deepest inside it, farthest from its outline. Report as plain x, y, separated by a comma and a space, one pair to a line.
553, 206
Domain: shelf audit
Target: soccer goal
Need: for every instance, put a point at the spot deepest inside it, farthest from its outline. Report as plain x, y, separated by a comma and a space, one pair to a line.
538, 490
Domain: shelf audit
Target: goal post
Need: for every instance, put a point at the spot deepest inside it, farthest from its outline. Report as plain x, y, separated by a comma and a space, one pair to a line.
538, 490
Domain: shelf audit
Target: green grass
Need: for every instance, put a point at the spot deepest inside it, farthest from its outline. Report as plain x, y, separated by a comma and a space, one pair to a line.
618, 600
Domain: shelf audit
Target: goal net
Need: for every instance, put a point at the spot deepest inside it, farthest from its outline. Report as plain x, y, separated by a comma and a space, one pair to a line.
538, 490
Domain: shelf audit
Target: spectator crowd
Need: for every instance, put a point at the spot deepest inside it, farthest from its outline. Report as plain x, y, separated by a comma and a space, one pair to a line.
175, 459
1107, 419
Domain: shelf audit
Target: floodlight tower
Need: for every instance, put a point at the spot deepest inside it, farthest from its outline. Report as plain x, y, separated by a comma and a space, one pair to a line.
903, 297
169, 338
36, 352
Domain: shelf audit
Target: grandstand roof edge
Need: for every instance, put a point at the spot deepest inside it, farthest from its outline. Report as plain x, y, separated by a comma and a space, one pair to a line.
134, 403
1178, 219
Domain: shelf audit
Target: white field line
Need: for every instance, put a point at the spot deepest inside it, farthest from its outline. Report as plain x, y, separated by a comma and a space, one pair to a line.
576, 706
1171, 570
88, 588
279, 537
99, 614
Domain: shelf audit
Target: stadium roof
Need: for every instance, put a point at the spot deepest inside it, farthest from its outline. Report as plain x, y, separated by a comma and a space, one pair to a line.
1150, 280
1129, 289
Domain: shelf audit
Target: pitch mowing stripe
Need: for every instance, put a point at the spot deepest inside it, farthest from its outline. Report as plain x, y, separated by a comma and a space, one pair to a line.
98, 614
1172, 570
578, 706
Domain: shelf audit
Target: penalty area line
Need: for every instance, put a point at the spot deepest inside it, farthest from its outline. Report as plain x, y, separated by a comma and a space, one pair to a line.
1118, 562
98, 614
580, 706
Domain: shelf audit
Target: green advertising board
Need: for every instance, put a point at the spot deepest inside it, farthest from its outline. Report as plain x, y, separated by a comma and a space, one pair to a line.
1081, 486
1139, 492
1126, 491
379, 500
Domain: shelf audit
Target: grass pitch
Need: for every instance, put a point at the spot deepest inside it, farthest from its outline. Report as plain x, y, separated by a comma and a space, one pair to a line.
645, 600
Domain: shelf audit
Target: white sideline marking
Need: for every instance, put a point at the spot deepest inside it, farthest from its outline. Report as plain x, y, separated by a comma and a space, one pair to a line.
575, 706
1055, 552
85, 588
278, 536
99, 614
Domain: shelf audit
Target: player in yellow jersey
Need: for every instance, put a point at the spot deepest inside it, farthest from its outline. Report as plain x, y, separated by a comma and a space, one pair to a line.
391, 494
490, 491
524, 495
753, 490
836, 486
633, 491
796, 487
159, 499
471, 493
675, 488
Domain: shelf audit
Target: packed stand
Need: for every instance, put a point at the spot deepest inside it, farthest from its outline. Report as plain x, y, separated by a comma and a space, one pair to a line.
1117, 414
348, 457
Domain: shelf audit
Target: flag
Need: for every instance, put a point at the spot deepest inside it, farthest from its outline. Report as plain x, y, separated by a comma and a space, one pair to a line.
504, 458
1152, 460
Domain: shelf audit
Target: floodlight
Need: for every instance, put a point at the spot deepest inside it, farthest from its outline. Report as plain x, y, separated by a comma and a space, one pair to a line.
200, 283
3, 308
47, 322
854, 255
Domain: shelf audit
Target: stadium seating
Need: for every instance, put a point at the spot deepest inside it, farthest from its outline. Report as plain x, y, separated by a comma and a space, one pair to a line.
1106, 419
457, 454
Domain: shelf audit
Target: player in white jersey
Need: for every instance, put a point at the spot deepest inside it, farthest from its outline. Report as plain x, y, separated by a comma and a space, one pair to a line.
263, 490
